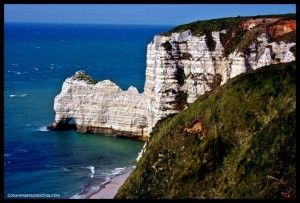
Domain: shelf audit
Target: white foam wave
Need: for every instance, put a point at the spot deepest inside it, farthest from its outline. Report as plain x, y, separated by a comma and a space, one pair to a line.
65, 169
95, 185
43, 129
92, 168
6, 154
16, 95
37, 47
107, 179
36, 69
77, 196
17, 72
94, 188
116, 171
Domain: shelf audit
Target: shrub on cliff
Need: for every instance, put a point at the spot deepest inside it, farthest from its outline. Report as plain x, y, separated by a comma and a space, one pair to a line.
238, 141
211, 44
181, 100
82, 75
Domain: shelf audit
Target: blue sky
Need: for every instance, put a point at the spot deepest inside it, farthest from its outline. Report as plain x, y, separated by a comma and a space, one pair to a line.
160, 14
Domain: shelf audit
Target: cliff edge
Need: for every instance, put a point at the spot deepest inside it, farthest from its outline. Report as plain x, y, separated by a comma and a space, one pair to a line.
182, 64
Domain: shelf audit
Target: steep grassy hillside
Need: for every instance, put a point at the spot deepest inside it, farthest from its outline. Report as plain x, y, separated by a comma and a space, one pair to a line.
238, 141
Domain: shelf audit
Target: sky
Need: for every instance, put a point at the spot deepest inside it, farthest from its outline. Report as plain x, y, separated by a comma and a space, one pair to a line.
148, 14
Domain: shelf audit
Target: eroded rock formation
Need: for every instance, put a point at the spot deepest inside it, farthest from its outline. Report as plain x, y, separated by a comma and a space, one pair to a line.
180, 68
100, 108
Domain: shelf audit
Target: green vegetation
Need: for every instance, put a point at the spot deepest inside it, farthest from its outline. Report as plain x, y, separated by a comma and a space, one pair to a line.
181, 96
201, 27
216, 81
233, 43
210, 41
181, 100
180, 76
248, 149
82, 75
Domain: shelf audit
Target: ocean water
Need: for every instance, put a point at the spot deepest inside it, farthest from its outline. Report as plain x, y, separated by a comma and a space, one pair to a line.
37, 59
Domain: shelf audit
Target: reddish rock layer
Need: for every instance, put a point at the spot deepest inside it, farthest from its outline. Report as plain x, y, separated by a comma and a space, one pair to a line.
282, 27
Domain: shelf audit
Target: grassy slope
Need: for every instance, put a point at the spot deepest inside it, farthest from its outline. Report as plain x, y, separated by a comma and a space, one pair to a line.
250, 139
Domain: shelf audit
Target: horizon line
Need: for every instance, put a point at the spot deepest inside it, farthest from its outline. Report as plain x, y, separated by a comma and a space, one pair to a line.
141, 24
87, 23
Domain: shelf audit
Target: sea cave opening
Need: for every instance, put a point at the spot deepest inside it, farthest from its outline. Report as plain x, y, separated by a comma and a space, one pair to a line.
70, 124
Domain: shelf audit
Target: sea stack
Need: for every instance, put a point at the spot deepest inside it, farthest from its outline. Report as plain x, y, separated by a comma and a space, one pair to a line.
181, 65
101, 107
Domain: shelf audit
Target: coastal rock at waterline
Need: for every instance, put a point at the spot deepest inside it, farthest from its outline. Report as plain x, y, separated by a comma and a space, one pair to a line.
101, 107
180, 68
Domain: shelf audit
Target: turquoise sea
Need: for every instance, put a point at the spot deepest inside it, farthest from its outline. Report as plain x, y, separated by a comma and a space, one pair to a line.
37, 59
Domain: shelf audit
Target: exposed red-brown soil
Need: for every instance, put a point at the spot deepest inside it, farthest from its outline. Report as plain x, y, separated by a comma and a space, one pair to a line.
282, 27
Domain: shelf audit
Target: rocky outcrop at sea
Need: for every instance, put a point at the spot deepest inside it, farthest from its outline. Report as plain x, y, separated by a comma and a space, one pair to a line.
180, 68
101, 107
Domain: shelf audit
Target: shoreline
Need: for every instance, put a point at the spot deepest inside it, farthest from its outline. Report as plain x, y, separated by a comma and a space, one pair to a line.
110, 189
143, 137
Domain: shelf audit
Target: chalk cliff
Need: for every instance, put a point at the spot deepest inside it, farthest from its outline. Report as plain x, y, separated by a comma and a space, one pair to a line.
181, 65
100, 107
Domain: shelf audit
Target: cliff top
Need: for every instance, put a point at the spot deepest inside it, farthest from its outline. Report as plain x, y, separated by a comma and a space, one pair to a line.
201, 27
240, 31
81, 75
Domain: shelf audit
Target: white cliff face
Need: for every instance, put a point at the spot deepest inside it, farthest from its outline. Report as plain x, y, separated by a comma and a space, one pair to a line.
179, 64
200, 66
96, 107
